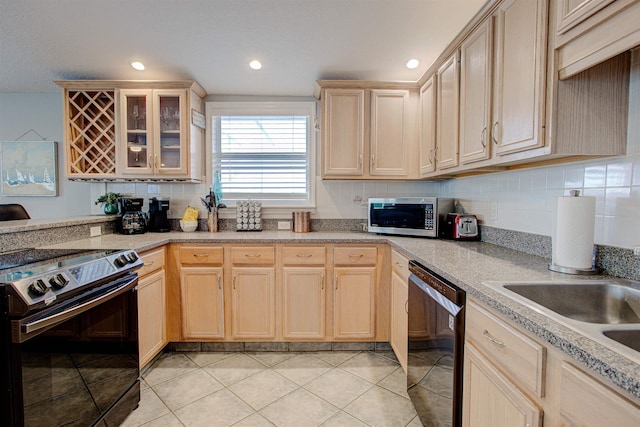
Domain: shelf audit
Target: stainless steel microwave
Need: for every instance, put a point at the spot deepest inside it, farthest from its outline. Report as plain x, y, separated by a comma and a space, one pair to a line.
409, 216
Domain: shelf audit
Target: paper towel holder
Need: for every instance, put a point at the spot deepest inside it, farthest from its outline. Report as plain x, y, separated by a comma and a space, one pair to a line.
571, 270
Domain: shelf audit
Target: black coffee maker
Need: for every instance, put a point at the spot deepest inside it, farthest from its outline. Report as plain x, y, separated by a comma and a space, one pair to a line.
158, 221
132, 220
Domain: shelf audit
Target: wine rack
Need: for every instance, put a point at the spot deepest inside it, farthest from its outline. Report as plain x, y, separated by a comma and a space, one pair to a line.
91, 133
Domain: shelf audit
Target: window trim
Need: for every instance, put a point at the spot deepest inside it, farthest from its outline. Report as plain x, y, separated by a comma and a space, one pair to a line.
217, 108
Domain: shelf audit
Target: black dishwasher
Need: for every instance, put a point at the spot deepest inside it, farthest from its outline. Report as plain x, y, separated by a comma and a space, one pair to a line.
436, 346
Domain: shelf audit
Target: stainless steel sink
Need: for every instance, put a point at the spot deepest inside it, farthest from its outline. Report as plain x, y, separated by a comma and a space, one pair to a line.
627, 337
594, 302
605, 310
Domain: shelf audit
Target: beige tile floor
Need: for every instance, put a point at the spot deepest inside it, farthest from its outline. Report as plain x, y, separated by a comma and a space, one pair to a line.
332, 388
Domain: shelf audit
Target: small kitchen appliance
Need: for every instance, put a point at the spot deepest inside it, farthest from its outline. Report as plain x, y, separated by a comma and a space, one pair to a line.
409, 216
460, 227
131, 218
158, 209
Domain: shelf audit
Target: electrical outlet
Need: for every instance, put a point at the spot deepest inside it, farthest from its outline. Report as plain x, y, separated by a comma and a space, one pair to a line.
636, 250
95, 231
493, 214
284, 225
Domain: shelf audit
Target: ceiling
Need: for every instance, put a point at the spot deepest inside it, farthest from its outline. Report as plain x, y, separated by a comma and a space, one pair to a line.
213, 41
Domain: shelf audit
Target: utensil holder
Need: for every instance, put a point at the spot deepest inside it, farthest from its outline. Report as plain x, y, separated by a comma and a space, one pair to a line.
301, 221
212, 221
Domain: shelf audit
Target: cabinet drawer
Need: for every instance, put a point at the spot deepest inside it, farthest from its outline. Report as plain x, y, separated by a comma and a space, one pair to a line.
400, 264
253, 255
510, 350
153, 260
201, 255
355, 256
303, 255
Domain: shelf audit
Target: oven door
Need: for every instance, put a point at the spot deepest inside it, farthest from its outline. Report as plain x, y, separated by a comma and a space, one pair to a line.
76, 364
435, 354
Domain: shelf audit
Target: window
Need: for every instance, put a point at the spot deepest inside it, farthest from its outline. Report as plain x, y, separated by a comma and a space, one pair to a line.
263, 151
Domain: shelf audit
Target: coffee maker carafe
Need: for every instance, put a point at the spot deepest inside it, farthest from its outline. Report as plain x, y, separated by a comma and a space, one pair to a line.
132, 220
158, 209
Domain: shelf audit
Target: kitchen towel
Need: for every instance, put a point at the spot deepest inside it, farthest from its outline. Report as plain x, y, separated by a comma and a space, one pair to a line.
573, 236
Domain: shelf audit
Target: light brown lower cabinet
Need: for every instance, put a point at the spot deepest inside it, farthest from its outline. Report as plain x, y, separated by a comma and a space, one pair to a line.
152, 305
354, 303
303, 303
253, 303
584, 402
202, 293
490, 399
152, 326
399, 318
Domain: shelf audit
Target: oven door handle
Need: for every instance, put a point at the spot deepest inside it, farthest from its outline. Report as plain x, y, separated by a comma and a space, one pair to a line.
26, 328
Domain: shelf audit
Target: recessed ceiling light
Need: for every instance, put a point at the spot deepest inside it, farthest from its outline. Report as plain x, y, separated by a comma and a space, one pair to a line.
255, 64
137, 65
413, 64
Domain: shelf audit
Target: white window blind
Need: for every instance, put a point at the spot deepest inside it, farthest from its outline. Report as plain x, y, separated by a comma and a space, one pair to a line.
263, 151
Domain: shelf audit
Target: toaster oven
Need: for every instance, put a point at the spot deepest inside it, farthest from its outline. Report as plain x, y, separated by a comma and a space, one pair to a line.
408, 216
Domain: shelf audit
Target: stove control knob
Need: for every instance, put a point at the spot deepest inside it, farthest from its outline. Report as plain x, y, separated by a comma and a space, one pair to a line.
58, 281
132, 257
38, 288
121, 261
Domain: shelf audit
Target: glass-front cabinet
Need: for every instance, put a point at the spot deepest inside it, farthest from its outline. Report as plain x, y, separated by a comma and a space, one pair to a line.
153, 132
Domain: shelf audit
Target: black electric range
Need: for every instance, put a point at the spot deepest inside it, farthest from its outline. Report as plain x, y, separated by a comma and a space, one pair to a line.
69, 337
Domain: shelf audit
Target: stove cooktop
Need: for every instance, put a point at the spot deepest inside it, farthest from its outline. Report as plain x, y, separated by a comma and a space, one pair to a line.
34, 278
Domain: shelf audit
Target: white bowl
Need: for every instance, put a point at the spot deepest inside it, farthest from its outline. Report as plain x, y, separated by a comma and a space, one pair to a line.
188, 226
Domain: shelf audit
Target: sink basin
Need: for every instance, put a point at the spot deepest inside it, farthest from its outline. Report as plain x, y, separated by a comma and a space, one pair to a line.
628, 337
604, 303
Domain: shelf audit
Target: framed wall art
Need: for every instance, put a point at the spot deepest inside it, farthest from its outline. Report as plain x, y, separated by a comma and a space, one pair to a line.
29, 168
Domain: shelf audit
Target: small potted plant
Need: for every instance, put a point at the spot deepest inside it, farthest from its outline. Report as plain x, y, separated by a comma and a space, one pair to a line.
110, 202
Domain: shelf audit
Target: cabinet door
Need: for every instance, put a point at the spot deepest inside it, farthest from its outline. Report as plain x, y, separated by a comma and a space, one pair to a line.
304, 302
253, 309
152, 329
354, 304
428, 126
171, 148
390, 140
490, 399
343, 132
399, 318
447, 114
202, 302
519, 72
475, 94
573, 12
586, 402
136, 132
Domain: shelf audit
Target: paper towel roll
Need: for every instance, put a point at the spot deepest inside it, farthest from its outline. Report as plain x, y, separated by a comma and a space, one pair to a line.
573, 236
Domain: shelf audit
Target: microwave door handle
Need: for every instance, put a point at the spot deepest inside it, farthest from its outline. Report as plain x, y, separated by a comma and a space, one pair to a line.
27, 328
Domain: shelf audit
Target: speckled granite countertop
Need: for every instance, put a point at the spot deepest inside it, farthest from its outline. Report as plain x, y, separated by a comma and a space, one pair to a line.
40, 224
467, 264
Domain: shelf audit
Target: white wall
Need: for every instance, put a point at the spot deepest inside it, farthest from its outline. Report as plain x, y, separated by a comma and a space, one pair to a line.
20, 112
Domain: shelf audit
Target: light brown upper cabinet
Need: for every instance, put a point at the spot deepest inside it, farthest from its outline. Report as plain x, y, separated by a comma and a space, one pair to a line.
589, 32
519, 75
343, 132
475, 94
368, 129
447, 113
133, 130
154, 138
428, 126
